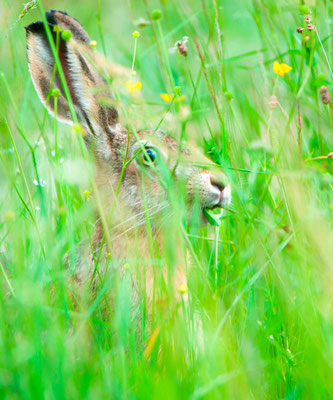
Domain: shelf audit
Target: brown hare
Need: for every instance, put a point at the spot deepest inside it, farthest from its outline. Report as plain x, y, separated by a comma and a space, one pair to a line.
154, 160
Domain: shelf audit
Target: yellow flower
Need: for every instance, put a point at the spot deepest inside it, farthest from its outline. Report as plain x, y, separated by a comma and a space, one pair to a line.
167, 97
86, 195
133, 86
281, 69
93, 43
182, 289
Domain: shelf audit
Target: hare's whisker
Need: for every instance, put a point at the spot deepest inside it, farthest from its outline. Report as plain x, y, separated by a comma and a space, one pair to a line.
164, 220
139, 223
161, 205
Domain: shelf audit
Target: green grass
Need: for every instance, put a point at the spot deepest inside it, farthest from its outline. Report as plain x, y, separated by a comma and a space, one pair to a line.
261, 284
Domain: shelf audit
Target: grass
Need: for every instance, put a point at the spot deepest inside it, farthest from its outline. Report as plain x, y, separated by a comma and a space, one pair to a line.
261, 284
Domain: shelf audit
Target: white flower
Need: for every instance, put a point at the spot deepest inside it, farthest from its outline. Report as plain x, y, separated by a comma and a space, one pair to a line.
41, 182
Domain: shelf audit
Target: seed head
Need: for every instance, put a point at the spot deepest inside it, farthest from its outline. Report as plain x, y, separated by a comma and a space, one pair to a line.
325, 95
307, 18
273, 102
300, 30
330, 155
182, 48
309, 27
27, 7
287, 228
299, 120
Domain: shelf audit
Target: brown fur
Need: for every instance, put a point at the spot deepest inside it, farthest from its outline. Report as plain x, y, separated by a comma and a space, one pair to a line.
106, 137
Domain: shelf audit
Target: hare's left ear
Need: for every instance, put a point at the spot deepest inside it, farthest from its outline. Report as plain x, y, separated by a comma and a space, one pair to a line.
85, 84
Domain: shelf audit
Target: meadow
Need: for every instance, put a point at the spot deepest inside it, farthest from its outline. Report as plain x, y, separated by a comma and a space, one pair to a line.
254, 97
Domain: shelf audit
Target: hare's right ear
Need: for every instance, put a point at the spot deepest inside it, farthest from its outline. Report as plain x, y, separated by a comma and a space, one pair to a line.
84, 82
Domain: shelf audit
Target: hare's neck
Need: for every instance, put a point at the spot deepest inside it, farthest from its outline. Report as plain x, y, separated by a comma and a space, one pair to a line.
143, 251
128, 242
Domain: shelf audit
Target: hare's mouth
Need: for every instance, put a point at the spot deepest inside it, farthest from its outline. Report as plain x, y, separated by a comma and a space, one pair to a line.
213, 214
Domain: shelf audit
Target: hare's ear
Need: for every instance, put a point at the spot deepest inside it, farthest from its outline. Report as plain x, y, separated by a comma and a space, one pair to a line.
85, 84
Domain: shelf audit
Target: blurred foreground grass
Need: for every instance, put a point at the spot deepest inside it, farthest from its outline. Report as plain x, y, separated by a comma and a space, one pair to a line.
264, 294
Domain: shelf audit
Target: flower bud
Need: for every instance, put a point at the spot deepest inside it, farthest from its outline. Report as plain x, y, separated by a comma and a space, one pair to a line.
55, 92
177, 90
156, 15
57, 29
66, 35
304, 10
228, 96
182, 289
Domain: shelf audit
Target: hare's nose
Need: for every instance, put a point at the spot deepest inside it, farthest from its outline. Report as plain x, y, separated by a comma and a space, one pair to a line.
217, 181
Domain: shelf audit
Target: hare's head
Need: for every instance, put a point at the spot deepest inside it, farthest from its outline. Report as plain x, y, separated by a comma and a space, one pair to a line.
154, 160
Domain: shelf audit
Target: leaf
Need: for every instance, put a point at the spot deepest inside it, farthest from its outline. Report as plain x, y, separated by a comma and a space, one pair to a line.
214, 216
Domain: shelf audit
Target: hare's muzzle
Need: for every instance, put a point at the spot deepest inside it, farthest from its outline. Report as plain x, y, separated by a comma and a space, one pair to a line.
209, 189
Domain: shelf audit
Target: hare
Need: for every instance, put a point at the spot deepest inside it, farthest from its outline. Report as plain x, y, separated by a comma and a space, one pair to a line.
154, 159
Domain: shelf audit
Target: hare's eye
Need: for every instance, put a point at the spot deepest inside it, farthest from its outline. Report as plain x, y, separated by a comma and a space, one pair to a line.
150, 157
